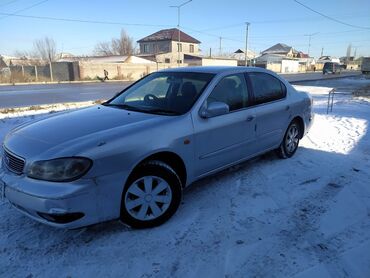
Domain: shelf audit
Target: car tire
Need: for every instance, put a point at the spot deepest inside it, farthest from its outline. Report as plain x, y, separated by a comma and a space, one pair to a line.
151, 196
290, 142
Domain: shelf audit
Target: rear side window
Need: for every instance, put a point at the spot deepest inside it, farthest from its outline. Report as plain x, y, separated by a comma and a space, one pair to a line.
266, 87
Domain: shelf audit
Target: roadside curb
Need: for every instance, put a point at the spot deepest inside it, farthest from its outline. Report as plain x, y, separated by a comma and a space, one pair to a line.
63, 82
323, 79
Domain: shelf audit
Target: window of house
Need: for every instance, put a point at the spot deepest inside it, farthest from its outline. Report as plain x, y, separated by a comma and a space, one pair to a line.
266, 87
167, 60
179, 47
191, 48
146, 48
231, 90
179, 61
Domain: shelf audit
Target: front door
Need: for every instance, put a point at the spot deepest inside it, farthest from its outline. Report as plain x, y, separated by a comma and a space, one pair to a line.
228, 138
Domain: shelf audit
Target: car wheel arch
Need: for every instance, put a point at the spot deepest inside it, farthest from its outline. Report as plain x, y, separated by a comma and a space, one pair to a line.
171, 159
300, 123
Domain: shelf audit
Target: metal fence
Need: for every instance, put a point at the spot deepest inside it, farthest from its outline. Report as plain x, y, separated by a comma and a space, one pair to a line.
55, 71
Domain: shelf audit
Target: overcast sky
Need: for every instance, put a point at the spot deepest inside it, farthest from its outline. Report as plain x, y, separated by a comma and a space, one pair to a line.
271, 21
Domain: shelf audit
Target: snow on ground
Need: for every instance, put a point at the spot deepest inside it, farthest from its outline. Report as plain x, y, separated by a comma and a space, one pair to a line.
308, 216
42, 109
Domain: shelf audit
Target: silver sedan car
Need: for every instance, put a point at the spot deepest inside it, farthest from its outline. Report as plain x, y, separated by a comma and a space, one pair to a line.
131, 157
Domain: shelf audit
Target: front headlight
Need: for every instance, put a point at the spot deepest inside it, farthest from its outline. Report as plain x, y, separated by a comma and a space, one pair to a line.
60, 169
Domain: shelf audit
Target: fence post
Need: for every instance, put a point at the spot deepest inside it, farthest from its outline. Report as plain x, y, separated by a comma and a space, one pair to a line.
36, 74
51, 72
330, 101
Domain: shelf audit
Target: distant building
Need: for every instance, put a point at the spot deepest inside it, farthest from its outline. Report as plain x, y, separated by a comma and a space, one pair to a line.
240, 56
193, 60
284, 58
163, 46
282, 50
351, 62
324, 59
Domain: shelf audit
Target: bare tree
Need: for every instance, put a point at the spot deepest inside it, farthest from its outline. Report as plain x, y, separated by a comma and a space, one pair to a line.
45, 49
117, 46
103, 49
23, 54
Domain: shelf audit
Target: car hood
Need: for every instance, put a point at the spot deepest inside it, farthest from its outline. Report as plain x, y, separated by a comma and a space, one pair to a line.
73, 129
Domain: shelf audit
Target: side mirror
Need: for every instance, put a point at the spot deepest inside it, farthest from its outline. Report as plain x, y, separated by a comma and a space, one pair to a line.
213, 109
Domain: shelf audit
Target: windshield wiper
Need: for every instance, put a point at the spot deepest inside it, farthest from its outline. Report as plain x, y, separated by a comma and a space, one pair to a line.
162, 111
124, 106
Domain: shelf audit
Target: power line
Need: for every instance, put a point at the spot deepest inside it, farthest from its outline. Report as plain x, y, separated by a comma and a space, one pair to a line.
8, 3
155, 25
211, 35
82, 20
330, 18
300, 35
270, 22
24, 9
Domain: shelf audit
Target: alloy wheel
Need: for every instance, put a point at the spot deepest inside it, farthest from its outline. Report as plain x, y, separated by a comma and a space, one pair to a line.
292, 139
148, 198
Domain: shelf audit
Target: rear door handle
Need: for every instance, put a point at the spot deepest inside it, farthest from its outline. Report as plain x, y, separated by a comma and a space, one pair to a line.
250, 118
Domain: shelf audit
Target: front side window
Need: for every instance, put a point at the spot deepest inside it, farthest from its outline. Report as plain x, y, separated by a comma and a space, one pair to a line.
266, 87
231, 90
168, 93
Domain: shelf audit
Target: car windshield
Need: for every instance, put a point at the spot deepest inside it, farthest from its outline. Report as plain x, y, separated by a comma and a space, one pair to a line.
170, 93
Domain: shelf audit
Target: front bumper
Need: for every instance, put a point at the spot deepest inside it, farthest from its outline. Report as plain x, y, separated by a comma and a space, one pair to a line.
65, 205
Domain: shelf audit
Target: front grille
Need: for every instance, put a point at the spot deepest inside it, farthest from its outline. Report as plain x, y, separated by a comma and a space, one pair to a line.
13, 163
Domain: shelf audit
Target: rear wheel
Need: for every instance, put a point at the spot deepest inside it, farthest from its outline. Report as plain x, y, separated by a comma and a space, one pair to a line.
289, 145
151, 196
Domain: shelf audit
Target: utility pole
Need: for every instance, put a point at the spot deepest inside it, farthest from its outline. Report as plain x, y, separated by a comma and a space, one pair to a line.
322, 51
309, 46
178, 27
220, 49
246, 44
309, 42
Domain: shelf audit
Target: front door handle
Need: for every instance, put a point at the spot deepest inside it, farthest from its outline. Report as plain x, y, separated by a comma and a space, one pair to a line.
287, 107
250, 118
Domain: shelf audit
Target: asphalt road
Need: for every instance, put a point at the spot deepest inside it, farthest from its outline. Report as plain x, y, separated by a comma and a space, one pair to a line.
27, 95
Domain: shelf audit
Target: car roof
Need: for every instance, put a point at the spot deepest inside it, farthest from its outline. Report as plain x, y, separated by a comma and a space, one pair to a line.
214, 69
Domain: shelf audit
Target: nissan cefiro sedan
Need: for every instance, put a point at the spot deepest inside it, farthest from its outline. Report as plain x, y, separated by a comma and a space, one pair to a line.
131, 157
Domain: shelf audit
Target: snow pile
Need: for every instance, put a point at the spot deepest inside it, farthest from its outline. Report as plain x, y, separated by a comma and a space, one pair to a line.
42, 109
308, 216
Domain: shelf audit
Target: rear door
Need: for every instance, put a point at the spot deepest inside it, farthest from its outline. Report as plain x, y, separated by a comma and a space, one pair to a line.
271, 107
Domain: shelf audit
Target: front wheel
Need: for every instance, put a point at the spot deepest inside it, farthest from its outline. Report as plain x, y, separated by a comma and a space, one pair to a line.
290, 142
151, 196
